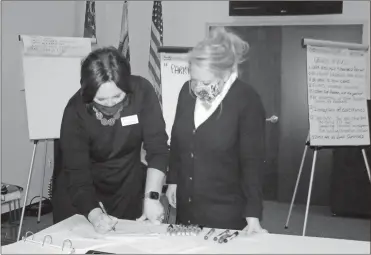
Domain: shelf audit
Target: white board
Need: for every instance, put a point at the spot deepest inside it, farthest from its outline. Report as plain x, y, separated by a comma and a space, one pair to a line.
174, 73
51, 71
337, 100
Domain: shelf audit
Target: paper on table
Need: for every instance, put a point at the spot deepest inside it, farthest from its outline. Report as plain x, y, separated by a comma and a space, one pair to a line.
125, 231
125, 227
33, 248
167, 244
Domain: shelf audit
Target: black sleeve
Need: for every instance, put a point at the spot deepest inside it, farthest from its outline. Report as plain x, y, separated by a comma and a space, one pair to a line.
252, 154
174, 162
154, 131
74, 143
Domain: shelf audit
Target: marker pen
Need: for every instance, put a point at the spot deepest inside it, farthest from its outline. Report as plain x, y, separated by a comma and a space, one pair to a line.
221, 239
209, 233
228, 238
223, 233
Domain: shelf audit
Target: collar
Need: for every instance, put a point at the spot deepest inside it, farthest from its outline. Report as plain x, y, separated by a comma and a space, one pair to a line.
228, 84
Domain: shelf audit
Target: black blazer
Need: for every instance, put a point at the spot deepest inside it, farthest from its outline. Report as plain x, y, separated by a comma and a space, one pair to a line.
218, 167
102, 163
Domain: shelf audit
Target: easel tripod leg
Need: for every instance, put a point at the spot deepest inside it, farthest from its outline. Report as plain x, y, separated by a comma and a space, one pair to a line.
296, 185
27, 188
310, 190
42, 183
366, 163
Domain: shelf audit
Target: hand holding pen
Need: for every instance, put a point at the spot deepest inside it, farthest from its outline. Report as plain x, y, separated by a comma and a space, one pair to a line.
112, 220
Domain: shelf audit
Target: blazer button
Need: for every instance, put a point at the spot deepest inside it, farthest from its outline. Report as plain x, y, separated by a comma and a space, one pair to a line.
194, 131
190, 178
189, 200
189, 222
192, 155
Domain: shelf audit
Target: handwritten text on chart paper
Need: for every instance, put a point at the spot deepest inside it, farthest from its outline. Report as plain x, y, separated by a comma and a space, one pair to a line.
56, 46
336, 97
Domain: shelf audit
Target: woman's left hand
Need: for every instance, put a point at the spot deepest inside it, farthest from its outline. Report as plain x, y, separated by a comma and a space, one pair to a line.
152, 211
253, 226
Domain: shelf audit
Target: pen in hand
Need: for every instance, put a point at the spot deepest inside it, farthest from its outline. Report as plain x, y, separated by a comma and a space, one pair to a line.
105, 212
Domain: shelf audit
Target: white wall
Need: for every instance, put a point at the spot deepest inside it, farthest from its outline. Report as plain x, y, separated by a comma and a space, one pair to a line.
50, 18
185, 23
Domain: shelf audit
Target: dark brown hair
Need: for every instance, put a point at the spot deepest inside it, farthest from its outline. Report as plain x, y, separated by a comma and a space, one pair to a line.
101, 66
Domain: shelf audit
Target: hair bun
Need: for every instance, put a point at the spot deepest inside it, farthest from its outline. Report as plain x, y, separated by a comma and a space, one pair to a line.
230, 41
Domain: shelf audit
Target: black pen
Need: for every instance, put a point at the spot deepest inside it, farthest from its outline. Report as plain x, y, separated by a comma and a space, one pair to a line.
221, 239
209, 233
228, 238
224, 232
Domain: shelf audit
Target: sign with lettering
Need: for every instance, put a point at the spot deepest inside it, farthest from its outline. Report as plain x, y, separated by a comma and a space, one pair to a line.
336, 97
51, 73
174, 73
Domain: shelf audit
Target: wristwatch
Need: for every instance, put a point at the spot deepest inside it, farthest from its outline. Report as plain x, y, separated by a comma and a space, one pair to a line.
152, 195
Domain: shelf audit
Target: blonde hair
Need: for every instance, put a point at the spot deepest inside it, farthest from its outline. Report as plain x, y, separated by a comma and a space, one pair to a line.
220, 52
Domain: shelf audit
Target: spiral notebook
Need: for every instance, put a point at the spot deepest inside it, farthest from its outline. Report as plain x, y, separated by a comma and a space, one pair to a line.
33, 244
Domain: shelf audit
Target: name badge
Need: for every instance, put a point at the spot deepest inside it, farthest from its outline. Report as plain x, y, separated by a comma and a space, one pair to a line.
129, 120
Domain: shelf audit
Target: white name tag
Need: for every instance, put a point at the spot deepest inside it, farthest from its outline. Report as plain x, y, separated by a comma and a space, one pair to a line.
129, 120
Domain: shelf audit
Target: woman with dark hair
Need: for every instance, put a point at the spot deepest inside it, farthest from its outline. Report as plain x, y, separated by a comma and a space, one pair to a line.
104, 125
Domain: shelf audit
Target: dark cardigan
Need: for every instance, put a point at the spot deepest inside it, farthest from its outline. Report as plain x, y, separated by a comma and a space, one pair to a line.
218, 167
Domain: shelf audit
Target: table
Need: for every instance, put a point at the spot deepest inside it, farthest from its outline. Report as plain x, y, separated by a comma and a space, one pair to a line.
13, 195
84, 238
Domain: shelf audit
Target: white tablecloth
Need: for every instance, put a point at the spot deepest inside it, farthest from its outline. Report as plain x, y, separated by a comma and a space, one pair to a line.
134, 237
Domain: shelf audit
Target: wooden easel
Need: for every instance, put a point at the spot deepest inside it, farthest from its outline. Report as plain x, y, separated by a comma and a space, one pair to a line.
317, 148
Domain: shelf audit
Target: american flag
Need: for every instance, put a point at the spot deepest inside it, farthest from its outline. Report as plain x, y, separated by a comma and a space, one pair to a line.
156, 41
124, 35
89, 26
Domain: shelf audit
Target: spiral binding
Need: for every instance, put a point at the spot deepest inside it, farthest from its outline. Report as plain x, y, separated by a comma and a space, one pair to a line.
50, 243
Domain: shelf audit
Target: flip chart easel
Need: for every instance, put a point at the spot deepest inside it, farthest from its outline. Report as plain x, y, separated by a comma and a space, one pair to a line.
174, 73
44, 115
341, 94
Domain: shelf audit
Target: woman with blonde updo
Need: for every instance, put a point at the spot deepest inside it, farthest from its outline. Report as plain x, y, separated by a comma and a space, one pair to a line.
217, 147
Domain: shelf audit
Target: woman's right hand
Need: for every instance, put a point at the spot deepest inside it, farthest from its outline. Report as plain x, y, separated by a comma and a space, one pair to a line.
101, 222
171, 194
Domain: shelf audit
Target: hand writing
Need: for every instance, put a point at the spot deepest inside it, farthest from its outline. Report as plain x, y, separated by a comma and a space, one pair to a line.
101, 222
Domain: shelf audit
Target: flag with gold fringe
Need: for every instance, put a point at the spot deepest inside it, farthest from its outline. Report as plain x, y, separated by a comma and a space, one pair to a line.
89, 25
155, 42
124, 35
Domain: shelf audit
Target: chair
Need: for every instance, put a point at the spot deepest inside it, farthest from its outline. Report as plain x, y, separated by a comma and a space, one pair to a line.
11, 195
